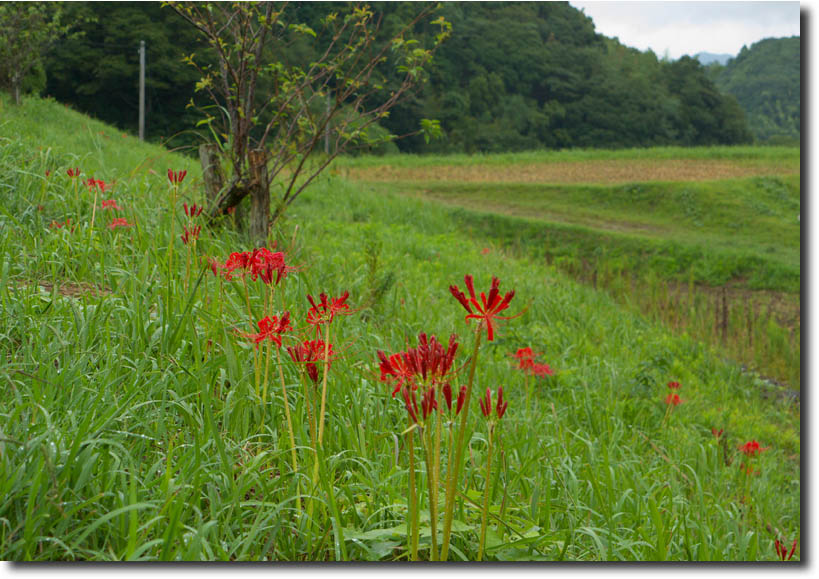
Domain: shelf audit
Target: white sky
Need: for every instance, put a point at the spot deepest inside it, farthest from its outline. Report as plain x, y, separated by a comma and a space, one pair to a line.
691, 27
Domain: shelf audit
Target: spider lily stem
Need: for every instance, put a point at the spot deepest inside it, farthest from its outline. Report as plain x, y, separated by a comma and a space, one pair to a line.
455, 468
290, 431
486, 495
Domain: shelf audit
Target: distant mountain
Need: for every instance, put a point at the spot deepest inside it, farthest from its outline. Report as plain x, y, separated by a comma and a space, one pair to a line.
707, 58
766, 81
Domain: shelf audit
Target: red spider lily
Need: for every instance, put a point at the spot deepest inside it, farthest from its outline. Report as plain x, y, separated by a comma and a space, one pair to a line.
673, 399
500, 408
264, 263
191, 234
447, 392
752, 448
717, 433
485, 251
230, 210
488, 308
674, 385
430, 361
75, 172
486, 403
236, 261
119, 222
111, 204
215, 266
526, 362
542, 370
409, 403
325, 311
67, 224
526, 358
782, 550
395, 368
48, 173
428, 402
272, 329
176, 177
97, 184
193, 210
308, 353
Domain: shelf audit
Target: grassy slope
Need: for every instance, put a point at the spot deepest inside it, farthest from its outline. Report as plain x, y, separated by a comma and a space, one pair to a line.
117, 456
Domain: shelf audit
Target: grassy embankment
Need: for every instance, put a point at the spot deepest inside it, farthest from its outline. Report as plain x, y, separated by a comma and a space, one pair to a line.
134, 426
705, 239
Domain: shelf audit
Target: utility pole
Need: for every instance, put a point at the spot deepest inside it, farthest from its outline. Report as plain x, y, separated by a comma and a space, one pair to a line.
141, 90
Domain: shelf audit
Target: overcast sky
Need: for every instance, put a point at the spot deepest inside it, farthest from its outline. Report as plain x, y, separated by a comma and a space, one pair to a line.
692, 27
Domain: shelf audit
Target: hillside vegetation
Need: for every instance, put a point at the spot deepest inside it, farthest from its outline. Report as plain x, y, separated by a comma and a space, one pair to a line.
513, 76
766, 81
143, 422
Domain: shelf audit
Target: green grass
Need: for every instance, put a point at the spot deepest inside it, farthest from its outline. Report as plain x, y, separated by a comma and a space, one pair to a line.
737, 230
786, 156
131, 429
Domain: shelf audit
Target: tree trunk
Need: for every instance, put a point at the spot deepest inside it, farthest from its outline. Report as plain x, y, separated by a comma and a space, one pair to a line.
260, 197
16, 92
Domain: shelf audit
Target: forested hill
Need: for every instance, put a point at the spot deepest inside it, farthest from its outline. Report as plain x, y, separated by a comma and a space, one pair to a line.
765, 79
513, 76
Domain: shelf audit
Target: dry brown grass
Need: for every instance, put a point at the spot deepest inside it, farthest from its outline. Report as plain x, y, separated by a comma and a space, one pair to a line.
590, 172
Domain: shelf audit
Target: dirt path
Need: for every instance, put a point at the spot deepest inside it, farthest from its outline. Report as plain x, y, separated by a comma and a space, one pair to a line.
592, 172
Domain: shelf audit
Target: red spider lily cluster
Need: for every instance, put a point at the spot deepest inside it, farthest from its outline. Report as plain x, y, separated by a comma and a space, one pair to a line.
752, 448
176, 177
259, 263
67, 225
271, 329
673, 399
446, 390
717, 433
782, 551
486, 404
111, 204
192, 211
526, 363
428, 403
119, 222
190, 234
74, 172
326, 309
429, 363
308, 353
97, 184
487, 309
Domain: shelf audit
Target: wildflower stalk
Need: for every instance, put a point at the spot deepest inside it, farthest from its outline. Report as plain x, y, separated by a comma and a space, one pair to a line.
413, 498
486, 494
93, 211
528, 395
174, 187
455, 468
266, 374
320, 417
290, 431
432, 483
324, 382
